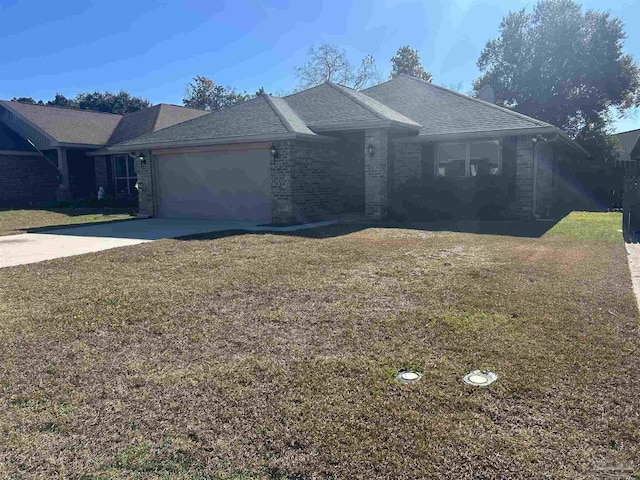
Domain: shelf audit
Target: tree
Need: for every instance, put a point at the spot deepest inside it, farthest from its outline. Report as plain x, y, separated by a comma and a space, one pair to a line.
407, 61
330, 63
204, 94
62, 101
120, 103
26, 100
563, 66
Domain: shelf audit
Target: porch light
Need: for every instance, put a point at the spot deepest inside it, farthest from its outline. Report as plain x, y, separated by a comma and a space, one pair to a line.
480, 378
274, 152
143, 160
371, 150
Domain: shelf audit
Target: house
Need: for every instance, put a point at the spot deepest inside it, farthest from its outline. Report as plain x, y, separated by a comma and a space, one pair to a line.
404, 147
39, 140
628, 147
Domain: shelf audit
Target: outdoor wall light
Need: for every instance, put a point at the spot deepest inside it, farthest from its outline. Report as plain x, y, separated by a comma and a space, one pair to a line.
143, 160
371, 150
274, 152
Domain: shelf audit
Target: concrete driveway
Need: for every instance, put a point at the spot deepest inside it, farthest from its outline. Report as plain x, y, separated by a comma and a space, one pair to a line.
66, 242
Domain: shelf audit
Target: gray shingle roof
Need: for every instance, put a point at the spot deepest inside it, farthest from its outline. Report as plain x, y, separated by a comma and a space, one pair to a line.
9, 140
329, 106
627, 141
444, 112
68, 125
152, 119
259, 117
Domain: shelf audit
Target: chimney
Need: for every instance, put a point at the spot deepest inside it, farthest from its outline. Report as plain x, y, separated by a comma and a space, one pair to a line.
487, 93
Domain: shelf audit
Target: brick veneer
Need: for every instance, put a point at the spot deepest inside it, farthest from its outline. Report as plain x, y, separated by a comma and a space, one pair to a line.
301, 181
146, 203
544, 180
101, 165
376, 174
523, 204
407, 165
27, 179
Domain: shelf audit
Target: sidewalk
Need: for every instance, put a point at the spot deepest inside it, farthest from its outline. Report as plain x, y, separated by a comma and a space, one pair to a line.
633, 249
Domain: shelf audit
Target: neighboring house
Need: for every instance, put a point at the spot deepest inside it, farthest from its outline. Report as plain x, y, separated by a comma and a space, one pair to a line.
628, 147
68, 137
404, 147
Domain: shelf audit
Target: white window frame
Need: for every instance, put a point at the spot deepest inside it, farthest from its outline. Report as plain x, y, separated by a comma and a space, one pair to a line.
467, 159
128, 177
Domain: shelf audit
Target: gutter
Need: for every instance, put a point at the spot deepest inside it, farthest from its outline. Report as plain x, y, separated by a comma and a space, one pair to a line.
206, 142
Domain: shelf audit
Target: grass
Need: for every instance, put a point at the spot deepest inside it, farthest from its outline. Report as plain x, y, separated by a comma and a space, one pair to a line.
272, 357
588, 226
19, 221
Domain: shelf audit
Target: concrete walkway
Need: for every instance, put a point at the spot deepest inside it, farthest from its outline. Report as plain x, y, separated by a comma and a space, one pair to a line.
633, 249
65, 242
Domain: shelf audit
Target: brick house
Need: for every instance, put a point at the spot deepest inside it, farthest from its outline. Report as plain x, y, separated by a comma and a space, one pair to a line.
401, 148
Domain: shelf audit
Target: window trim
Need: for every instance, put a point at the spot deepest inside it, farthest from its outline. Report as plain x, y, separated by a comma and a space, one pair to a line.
128, 176
467, 159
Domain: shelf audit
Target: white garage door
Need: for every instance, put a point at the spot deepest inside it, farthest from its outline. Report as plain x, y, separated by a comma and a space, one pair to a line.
231, 185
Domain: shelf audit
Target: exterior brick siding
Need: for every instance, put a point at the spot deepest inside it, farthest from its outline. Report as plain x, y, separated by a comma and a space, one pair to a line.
407, 165
376, 174
27, 179
301, 181
544, 180
523, 204
146, 202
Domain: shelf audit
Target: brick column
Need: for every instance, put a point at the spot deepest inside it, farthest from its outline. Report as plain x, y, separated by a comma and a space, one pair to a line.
281, 190
144, 171
64, 189
523, 204
376, 173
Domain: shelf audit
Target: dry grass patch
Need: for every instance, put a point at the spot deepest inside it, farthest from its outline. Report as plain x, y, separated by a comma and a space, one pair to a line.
21, 220
272, 356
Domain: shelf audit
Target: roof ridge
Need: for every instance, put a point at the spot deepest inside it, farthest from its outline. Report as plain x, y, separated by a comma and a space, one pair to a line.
347, 93
281, 116
4, 102
155, 120
477, 100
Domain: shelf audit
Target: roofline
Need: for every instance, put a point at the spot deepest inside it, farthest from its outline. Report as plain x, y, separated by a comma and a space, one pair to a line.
477, 100
281, 116
19, 152
211, 141
497, 133
346, 91
66, 108
362, 126
628, 131
54, 141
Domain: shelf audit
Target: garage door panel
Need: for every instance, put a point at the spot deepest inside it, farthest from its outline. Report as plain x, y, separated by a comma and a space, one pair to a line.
220, 186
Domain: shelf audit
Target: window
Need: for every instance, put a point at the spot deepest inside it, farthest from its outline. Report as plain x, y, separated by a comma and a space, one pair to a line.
125, 175
472, 159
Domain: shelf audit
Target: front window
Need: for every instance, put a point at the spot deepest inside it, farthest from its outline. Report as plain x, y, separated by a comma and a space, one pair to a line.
125, 175
469, 159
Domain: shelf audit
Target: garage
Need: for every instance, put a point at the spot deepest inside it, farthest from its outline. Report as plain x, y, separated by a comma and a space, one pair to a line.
220, 185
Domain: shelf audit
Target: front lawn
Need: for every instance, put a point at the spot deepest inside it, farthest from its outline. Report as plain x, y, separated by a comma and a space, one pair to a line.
273, 356
22, 220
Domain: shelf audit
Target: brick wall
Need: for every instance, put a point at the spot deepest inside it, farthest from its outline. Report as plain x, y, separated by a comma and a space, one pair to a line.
376, 173
27, 179
104, 174
407, 164
301, 181
523, 204
544, 180
146, 203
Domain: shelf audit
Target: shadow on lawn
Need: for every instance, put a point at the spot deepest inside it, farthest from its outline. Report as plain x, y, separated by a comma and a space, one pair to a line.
524, 228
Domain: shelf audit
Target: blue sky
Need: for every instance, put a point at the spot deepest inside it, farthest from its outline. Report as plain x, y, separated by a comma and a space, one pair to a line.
154, 48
